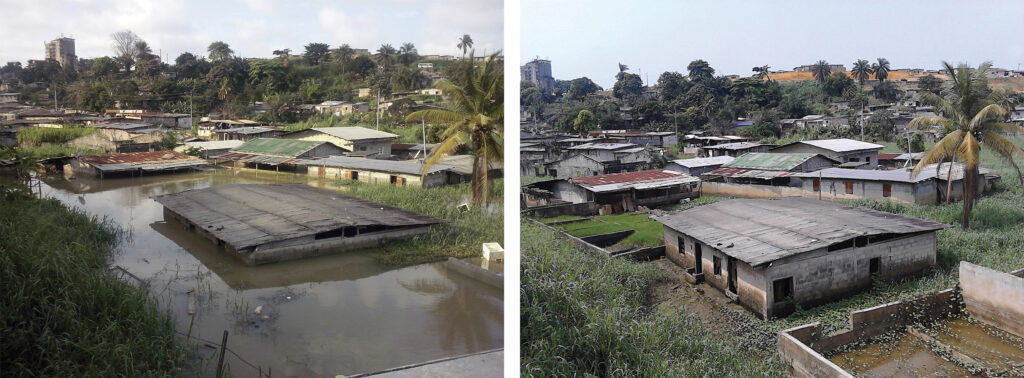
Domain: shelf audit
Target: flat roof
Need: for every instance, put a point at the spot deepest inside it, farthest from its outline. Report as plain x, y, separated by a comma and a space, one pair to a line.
759, 231
704, 162
249, 215
649, 179
408, 167
353, 133
840, 145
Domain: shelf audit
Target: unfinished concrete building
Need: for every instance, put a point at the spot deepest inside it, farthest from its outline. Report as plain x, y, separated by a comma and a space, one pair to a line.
269, 223
773, 254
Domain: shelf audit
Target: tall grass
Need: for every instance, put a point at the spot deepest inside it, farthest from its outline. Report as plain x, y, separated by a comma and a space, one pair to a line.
583, 314
61, 313
461, 236
38, 136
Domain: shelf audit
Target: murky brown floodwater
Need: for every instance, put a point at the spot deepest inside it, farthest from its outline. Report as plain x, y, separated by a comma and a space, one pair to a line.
340, 314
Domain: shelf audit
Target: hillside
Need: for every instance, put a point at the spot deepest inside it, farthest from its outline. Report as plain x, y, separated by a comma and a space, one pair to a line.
893, 75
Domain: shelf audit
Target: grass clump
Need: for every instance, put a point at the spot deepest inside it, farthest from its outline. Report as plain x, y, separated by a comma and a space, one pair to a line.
63, 314
460, 237
38, 136
584, 314
648, 232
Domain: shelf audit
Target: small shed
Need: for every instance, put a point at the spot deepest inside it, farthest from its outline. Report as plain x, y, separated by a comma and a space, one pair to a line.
698, 166
772, 255
263, 224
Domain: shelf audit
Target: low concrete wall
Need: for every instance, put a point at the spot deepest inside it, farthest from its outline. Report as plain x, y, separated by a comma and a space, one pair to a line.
993, 297
642, 254
586, 246
722, 189
580, 209
877, 320
475, 272
801, 359
605, 240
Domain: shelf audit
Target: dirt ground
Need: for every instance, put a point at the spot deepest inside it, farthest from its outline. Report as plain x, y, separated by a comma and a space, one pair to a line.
701, 300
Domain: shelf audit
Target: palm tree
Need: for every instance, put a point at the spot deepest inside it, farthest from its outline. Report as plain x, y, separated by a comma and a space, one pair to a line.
465, 43
976, 120
762, 72
407, 53
474, 116
862, 71
622, 71
821, 70
344, 53
385, 56
881, 69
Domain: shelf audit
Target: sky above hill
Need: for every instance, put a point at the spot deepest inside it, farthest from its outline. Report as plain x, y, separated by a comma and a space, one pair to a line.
588, 38
253, 28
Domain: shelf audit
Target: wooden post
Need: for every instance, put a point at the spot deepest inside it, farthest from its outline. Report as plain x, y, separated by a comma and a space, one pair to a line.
220, 360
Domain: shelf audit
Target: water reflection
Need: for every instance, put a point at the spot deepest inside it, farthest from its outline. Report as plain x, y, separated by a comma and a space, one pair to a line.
329, 315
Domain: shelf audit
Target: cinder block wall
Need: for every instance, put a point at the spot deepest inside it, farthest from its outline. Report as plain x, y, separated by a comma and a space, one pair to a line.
993, 297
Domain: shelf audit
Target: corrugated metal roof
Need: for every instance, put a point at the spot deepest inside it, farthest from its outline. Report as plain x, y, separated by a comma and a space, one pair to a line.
602, 146
215, 144
885, 156
633, 180
759, 231
841, 145
256, 158
246, 130
897, 175
748, 173
250, 215
770, 161
704, 162
958, 171
353, 133
146, 161
734, 146
277, 147
630, 150
408, 167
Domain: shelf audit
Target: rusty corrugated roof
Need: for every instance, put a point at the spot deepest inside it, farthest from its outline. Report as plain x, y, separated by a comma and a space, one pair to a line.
137, 157
626, 177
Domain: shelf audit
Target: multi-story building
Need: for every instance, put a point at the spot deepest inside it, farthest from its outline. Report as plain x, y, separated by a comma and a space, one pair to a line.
61, 50
538, 72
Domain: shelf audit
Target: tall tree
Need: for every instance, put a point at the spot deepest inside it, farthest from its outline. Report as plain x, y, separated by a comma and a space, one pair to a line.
881, 69
474, 116
465, 43
931, 84
975, 121
124, 48
282, 53
821, 70
584, 122
762, 72
862, 71
385, 56
219, 51
344, 54
581, 87
317, 53
700, 71
628, 87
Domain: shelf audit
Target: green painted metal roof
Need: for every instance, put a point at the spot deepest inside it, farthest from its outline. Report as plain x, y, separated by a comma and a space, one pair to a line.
278, 147
769, 161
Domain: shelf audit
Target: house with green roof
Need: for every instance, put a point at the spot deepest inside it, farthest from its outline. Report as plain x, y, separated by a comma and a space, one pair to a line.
357, 141
275, 152
767, 168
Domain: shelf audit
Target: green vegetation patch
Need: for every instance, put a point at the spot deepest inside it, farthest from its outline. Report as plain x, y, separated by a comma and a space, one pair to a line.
460, 237
63, 314
584, 314
38, 136
648, 233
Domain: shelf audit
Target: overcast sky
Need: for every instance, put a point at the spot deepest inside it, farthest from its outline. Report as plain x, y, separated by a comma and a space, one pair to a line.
253, 28
588, 38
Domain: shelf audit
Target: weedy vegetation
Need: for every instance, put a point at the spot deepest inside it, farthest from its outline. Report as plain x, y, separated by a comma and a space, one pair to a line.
584, 314
38, 136
63, 313
462, 234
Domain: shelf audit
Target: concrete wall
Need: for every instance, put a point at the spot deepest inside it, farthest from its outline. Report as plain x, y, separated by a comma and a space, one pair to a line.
922, 193
569, 192
749, 191
801, 359
576, 166
869, 156
548, 211
433, 179
475, 272
993, 297
322, 150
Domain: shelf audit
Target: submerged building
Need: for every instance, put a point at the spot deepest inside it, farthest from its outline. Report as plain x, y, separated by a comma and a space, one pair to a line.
771, 255
133, 164
269, 223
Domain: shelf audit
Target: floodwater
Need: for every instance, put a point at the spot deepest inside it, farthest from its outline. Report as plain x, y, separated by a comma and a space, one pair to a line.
323, 316
906, 355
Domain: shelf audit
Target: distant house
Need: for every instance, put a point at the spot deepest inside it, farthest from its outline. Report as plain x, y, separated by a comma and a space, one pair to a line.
9, 97
843, 150
777, 169
641, 138
274, 152
734, 149
133, 164
205, 129
772, 255
462, 167
210, 149
354, 140
431, 91
120, 141
599, 151
400, 173
576, 166
247, 133
424, 65
170, 120
698, 166
987, 179
617, 192
895, 185
407, 151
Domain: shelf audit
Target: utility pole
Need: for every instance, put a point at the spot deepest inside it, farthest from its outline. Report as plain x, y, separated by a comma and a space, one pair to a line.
378, 109
423, 123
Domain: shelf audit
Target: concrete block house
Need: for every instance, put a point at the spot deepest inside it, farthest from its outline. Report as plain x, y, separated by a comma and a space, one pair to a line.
773, 254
